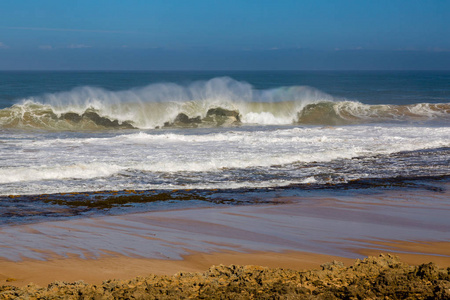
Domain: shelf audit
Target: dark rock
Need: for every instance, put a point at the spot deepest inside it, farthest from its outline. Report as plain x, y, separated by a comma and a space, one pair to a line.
72, 117
222, 112
183, 120
222, 117
95, 118
214, 117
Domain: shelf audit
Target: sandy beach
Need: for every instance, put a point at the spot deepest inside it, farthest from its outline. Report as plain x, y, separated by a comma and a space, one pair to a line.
294, 233
95, 271
225, 150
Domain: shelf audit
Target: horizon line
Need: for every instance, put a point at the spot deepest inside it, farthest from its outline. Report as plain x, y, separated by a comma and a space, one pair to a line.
222, 70
67, 29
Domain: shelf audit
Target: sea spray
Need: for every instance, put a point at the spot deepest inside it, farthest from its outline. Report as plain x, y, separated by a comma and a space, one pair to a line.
153, 105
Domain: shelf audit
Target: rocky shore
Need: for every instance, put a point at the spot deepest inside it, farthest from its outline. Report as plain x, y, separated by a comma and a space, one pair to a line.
383, 277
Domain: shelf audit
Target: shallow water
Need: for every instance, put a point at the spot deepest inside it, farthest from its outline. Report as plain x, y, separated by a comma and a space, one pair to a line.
339, 222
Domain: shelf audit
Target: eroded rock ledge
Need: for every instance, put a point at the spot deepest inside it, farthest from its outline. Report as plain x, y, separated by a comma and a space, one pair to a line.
383, 277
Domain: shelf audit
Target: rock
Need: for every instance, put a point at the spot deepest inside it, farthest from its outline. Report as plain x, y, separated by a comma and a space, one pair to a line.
95, 118
383, 277
222, 117
335, 265
222, 112
214, 117
183, 120
76, 118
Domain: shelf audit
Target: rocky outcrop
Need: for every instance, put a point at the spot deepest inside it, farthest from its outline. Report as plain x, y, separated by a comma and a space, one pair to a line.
92, 117
214, 117
383, 277
182, 120
222, 117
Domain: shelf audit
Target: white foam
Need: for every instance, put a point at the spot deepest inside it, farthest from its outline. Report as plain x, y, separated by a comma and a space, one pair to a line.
266, 118
57, 172
153, 105
195, 158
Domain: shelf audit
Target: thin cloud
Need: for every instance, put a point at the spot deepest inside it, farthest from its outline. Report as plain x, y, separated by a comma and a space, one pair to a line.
72, 46
359, 48
67, 29
430, 49
45, 47
78, 46
3, 46
438, 49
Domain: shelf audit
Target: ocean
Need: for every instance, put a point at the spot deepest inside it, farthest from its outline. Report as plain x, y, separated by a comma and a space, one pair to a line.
77, 144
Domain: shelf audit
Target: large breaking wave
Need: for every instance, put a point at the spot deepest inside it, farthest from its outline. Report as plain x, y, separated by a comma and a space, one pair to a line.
169, 104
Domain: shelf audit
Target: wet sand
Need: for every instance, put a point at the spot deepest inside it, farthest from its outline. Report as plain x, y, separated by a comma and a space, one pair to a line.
296, 233
95, 271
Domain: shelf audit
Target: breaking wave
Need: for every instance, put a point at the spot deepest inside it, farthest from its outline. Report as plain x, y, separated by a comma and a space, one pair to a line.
217, 102
352, 112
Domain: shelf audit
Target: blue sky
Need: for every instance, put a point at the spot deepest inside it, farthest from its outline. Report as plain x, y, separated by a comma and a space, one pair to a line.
246, 34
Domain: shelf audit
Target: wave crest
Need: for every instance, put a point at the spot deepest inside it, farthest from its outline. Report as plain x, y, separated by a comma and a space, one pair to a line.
169, 104
352, 112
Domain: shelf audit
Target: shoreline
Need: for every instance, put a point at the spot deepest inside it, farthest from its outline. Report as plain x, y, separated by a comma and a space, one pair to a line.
296, 233
385, 276
95, 271
121, 267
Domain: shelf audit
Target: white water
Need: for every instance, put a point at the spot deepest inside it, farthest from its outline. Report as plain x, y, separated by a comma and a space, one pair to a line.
200, 158
58, 156
153, 105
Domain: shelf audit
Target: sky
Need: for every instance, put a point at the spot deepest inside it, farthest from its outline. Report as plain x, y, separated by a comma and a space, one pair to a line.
224, 35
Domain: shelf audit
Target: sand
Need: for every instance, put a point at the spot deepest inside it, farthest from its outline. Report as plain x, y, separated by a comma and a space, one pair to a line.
95, 271
296, 233
383, 277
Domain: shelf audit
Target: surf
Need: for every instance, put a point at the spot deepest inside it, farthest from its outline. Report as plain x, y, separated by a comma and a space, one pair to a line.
220, 101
